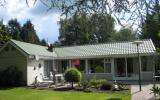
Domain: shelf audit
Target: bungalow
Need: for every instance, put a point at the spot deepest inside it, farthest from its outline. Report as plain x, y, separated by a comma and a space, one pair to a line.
111, 61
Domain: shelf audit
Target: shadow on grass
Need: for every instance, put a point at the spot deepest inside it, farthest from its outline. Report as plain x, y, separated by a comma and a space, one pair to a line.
7, 87
114, 99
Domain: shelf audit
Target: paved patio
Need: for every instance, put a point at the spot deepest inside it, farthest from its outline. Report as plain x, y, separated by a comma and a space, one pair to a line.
145, 94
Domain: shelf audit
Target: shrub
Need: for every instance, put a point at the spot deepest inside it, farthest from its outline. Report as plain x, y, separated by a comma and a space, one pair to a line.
99, 69
85, 84
10, 77
72, 75
97, 82
106, 86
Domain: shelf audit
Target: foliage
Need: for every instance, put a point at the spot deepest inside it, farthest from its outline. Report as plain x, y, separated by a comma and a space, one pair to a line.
28, 33
155, 90
124, 34
99, 69
97, 82
85, 84
4, 36
43, 42
85, 29
106, 86
151, 26
10, 77
130, 11
14, 29
73, 75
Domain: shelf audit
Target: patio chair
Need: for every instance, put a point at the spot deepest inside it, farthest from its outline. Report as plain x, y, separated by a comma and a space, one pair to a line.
39, 81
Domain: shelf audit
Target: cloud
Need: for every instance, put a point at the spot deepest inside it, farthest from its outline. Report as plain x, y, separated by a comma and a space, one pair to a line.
45, 22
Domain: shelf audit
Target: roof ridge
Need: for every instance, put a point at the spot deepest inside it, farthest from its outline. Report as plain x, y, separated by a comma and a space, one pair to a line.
27, 43
102, 43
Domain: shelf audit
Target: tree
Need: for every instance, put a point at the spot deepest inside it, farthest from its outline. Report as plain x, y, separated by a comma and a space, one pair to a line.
124, 34
84, 29
73, 75
135, 10
14, 29
4, 36
151, 26
28, 33
43, 42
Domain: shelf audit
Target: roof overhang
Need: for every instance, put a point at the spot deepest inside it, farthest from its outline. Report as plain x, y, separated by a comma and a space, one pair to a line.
106, 56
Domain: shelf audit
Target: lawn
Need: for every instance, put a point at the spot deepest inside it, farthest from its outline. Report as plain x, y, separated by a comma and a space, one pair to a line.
21, 93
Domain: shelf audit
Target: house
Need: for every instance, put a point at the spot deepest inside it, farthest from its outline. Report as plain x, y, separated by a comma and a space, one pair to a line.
111, 61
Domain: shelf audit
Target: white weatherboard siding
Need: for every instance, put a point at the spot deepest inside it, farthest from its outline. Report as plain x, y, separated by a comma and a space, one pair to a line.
13, 58
33, 70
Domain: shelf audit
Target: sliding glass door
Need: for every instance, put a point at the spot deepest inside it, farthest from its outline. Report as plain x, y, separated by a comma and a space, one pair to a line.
124, 67
120, 67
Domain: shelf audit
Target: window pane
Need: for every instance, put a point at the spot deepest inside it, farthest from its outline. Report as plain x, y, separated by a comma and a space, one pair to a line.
107, 67
96, 65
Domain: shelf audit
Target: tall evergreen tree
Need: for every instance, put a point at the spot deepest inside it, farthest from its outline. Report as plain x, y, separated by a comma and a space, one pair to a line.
151, 26
14, 29
4, 36
28, 33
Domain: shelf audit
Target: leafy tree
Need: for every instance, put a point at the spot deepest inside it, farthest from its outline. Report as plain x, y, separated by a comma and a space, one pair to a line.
86, 29
14, 29
124, 34
73, 75
28, 33
135, 10
43, 42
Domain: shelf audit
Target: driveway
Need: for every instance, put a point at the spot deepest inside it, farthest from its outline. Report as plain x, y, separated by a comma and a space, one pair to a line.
145, 94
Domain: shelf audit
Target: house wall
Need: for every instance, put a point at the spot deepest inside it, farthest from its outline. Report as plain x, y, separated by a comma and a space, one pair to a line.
13, 57
34, 70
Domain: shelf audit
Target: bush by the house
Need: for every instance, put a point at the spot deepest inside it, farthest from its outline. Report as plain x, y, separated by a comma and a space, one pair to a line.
85, 84
97, 82
10, 77
99, 69
72, 75
106, 86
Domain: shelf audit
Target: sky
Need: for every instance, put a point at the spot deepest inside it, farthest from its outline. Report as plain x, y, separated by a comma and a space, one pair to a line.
45, 22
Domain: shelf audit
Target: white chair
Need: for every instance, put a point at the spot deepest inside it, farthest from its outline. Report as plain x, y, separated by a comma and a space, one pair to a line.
39, 80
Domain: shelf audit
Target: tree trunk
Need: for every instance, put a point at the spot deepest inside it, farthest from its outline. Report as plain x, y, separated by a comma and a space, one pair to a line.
72, 85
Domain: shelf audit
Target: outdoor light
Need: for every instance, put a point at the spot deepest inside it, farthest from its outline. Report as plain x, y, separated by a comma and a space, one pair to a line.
137, 43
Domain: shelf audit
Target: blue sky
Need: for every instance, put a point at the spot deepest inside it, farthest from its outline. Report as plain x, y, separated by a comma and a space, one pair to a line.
44, 22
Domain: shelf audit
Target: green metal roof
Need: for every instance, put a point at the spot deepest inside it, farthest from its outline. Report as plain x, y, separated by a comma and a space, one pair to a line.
87, 51
106, 49
33, 49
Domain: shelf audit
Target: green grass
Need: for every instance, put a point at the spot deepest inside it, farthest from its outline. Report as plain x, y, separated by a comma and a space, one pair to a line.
21, 93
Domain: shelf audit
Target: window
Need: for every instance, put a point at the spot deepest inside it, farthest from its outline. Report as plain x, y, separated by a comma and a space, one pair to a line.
146, 64
79, 64
96, 65
100, 65
107, 67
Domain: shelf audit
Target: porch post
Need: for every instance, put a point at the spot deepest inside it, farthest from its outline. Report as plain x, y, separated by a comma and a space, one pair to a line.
86, 66
70, 63
113, 68
126, 67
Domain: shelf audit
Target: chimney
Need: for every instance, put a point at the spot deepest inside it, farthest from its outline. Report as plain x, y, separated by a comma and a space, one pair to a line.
50, 47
